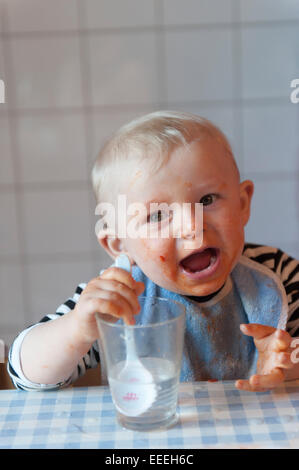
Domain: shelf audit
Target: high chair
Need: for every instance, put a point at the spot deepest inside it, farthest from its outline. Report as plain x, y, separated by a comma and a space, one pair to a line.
5, 381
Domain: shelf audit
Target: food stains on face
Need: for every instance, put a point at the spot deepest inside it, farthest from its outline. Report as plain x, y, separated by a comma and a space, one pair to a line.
188, 185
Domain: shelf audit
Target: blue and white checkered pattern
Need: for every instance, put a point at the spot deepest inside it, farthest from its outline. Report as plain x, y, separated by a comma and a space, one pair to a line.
211, 415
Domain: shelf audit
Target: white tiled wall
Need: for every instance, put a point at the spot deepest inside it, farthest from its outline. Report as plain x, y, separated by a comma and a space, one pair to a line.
270, 138
199, 65
47, 71
6, 173
123, 69
106, 14
59, 142
270, 60
268, 10
196, 12
9, 225
75, 70
42, 16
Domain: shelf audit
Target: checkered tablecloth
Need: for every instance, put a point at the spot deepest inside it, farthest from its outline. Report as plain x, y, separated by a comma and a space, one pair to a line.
211, 415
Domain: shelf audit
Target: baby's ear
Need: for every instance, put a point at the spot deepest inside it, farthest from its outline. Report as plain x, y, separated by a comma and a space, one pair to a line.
112, 246
246, 193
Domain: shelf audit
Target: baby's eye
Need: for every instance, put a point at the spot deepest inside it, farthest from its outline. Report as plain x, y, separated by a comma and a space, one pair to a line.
157, 216
208, 199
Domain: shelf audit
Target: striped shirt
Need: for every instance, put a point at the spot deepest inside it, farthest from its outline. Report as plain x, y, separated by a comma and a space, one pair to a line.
283, 265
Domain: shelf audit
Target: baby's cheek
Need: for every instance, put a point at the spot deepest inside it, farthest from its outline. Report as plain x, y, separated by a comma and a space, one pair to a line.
165, 257
156, 248
232, 234
231, 225
158, 257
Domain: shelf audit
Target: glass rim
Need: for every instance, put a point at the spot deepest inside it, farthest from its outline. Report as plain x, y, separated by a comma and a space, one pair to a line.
147, 325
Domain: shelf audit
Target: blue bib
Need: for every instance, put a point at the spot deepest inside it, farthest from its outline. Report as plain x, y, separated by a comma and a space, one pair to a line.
214, 346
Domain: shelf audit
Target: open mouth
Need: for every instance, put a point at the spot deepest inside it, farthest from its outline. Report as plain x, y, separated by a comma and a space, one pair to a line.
201, 262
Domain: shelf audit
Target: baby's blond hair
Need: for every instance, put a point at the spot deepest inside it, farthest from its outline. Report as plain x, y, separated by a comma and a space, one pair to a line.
152, 137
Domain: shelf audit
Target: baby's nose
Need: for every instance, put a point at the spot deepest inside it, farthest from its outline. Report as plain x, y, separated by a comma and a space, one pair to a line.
192, 234
193, 228
188, 222
189, 236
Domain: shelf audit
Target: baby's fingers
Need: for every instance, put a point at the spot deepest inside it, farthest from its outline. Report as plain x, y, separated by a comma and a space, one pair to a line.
256, 330
268, 381
108, 303
282, 340
246, 385
283, 360
139, 288
261, 383
120, 275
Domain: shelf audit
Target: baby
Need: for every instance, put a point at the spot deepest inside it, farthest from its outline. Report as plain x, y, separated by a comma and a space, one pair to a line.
241, 299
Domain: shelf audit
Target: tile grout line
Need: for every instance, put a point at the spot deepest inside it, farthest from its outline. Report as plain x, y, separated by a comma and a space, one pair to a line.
264, 101
68, 257
2, 16
161, 55
85, 65
237, 83
13, 132
46, 186
148, 28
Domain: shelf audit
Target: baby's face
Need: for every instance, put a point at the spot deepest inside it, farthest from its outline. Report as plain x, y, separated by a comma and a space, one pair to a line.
202, 173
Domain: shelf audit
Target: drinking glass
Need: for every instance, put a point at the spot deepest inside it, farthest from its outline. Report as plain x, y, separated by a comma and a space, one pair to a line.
143, 363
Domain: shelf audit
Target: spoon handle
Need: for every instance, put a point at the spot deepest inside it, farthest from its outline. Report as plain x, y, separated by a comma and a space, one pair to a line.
130, 345
123, 262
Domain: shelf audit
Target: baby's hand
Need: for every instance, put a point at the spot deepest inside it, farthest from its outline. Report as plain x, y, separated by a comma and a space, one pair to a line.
113, 295
273, 357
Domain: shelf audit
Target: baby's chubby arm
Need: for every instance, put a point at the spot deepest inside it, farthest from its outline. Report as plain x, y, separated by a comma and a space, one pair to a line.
51, 351
275, 362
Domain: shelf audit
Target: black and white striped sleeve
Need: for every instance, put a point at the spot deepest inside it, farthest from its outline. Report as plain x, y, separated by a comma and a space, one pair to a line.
287, 268
14, 367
